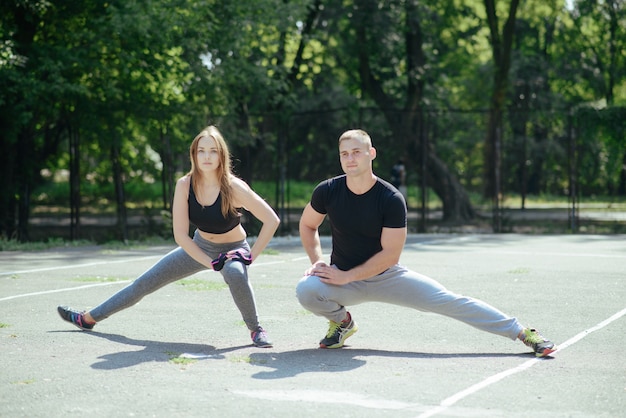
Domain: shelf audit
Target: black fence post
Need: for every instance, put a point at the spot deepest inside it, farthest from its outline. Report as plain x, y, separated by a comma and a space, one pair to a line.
573, 174
423, 167
497, 180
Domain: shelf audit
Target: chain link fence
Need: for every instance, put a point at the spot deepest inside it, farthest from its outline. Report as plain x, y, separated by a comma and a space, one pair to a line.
557, 172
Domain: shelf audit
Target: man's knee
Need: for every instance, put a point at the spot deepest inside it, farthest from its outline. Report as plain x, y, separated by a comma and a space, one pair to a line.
307, 290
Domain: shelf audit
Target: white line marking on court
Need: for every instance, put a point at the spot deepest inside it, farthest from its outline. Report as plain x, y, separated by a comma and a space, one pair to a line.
583, 334
46, 292
306, 257
448, 402
72, 266
556, 254
200, 356
269, 263
534, 253
319, 396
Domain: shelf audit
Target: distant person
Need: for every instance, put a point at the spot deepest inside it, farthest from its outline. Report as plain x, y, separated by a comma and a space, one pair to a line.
209, 197
398, 174
398, 177
368, 225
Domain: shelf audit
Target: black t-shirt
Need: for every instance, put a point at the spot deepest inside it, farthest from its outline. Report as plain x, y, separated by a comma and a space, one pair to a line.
357, 221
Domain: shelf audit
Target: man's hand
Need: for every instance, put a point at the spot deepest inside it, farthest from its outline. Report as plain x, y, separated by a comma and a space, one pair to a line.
310, 270
329, 274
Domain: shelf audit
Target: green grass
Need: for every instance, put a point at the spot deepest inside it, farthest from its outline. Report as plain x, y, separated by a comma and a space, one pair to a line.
199, 285
99, 279
14, 245
519, 270
25, 382
297, 193
51, 198
176, 359
51, 243
270, 251
246, 359
137, 244
51, 202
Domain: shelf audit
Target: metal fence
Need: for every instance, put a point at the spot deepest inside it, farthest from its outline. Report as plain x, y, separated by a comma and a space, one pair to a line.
543, 156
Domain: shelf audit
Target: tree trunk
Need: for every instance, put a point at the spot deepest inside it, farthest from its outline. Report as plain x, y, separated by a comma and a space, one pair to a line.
501, 50
501, 46
120, 198
167, 173
456, 204
23, 212
25, 158
455, 201
621, 188
408, 122
7, 184
74, 151
14, 122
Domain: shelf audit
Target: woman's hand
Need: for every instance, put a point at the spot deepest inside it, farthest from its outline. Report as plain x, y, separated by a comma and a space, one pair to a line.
240, 254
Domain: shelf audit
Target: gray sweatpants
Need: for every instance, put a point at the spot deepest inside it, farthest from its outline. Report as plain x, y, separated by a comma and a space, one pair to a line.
176, 265
403, 287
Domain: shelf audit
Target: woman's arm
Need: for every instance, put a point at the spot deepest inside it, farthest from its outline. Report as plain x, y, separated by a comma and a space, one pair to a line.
248, 199
180, 222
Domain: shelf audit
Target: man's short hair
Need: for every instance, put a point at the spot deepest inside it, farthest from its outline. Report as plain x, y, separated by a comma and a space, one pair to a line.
358, 134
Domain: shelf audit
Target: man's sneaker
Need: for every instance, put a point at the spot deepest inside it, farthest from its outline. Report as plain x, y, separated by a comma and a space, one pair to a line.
338, 333
537, 342
260, 338
74, 317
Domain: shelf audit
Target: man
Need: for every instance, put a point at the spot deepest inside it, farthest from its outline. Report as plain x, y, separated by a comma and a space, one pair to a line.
368, 223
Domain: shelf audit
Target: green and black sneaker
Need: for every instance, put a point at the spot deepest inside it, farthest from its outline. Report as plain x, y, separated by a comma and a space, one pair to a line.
537, 342
338, 333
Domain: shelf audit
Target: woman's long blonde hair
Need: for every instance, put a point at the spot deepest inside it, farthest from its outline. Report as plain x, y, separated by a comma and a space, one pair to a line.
224, 171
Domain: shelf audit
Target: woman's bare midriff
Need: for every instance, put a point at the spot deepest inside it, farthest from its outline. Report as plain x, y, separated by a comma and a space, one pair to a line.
234, 235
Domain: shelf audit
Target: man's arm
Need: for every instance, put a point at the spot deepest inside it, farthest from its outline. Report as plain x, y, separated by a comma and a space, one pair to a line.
392, 242
309, 233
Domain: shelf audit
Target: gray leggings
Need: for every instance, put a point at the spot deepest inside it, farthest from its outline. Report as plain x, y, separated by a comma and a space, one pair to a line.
176, 265
403, 287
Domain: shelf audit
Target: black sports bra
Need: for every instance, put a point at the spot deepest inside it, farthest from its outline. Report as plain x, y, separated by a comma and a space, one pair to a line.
209, 218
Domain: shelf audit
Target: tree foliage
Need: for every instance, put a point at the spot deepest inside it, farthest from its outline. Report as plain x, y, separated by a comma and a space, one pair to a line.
112, 91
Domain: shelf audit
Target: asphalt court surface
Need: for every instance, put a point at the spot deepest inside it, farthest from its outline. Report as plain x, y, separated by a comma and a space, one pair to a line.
184, 351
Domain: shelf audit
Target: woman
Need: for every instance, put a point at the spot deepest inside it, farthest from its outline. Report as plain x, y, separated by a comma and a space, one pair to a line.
207, 197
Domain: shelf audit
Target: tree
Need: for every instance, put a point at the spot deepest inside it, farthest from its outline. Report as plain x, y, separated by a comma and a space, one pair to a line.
532, 106
393, 70
36, 70
94, 74
597, 41
501, 45
595, 44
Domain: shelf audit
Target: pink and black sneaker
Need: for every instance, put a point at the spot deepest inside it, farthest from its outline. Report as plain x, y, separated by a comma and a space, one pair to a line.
74, 317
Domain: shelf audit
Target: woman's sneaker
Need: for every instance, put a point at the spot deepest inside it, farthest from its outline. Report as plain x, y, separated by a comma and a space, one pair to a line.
260, 338
537, 342
74, 317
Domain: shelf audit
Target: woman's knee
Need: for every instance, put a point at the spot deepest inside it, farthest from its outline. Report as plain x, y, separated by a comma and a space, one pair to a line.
234, 274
